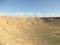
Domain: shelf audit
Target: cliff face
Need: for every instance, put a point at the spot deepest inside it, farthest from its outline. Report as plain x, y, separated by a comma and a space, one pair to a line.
28, 31
51, 20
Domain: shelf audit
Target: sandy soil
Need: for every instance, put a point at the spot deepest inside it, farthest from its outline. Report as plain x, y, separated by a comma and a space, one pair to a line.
22, 31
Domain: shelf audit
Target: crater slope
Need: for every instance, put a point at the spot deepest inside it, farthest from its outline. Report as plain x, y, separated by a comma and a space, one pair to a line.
27, 31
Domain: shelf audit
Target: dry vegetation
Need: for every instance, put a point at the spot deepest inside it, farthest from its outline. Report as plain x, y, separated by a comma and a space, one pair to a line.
27, 31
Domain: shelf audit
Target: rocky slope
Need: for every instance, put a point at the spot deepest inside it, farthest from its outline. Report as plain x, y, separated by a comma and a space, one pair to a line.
27, 31
51, 20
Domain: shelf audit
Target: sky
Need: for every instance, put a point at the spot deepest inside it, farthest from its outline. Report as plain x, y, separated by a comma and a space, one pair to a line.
31, 7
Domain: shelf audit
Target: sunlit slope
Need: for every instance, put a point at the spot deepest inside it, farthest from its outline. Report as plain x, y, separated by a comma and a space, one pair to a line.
27, 31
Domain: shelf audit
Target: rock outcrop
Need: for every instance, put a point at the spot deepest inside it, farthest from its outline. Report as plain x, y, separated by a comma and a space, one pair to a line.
51, 20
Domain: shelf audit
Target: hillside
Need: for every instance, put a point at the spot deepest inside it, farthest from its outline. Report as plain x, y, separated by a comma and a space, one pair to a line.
28, 31
51, 20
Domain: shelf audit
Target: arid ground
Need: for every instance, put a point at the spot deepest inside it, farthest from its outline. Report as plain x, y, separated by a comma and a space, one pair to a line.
28, 31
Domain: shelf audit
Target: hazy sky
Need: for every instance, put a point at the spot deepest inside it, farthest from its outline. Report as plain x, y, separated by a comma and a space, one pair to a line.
42, 6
